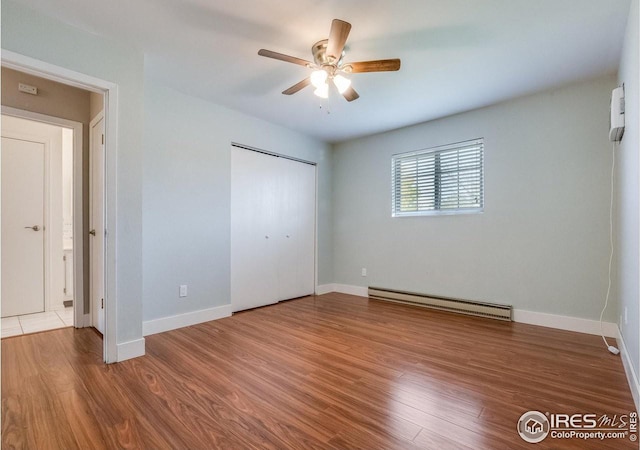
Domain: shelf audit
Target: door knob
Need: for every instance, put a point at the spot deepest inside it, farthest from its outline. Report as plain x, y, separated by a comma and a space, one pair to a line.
34, 228
92, 232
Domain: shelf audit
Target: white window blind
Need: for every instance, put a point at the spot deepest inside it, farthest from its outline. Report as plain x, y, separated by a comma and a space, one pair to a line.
440, 180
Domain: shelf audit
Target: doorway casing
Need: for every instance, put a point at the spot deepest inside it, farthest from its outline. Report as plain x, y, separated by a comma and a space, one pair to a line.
62, 75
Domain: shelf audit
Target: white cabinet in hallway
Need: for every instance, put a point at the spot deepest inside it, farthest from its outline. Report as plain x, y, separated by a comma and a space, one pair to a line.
273, 204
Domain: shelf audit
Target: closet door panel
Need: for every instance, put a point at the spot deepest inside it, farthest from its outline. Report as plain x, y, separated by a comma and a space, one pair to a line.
253, 224
296, 253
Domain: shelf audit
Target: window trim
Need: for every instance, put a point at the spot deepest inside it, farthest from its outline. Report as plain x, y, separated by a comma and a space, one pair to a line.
431, 150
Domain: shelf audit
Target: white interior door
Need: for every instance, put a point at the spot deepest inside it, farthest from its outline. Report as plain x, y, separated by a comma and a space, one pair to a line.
23, 188
97, 237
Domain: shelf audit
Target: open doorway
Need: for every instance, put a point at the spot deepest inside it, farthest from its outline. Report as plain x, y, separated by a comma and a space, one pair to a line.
86, 184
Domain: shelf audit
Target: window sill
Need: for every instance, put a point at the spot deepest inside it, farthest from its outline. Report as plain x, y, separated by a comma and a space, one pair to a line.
438, 213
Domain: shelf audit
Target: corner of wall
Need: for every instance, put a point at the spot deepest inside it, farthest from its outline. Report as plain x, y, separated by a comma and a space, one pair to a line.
630, 371
627, 219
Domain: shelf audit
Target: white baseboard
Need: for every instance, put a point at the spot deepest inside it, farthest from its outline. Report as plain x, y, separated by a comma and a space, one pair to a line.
565, 323
632, 376
184, 320
519, 315
325, 289
130, 349
360, 291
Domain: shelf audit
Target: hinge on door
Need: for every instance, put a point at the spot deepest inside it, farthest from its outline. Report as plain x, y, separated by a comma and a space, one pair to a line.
102, 303
64, 290
64, 258
103, 139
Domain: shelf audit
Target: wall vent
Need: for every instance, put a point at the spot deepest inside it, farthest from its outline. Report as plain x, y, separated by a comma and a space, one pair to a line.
469, 307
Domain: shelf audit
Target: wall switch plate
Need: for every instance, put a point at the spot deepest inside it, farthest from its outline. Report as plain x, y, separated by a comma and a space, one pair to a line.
183, 290
626, 317
364, 272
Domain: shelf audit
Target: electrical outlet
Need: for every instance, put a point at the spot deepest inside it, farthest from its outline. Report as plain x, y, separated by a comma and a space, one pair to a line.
183, 290
626, 317
364, 272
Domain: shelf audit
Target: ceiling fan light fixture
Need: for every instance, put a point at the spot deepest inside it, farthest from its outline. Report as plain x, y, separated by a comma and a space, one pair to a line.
328, 64
322, 91
341, 83
318, 78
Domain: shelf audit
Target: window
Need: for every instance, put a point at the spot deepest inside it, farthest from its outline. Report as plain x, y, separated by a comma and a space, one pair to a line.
442, 180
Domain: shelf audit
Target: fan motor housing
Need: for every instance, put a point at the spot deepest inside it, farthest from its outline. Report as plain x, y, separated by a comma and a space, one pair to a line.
319, 52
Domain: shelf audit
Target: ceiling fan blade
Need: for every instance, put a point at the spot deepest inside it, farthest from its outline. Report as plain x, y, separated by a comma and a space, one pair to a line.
350, 94
380, 65
298, 86
337, 38
285, 58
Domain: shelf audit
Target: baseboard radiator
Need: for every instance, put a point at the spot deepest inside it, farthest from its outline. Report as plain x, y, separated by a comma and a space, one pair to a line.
469, 307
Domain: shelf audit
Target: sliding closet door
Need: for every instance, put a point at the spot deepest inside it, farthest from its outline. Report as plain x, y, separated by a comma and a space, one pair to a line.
296, 249
254, 190
272, 229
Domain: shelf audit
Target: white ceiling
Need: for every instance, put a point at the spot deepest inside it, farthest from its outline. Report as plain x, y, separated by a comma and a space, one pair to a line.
456, 55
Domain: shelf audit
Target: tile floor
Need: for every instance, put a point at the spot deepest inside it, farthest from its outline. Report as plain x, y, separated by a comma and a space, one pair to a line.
32, 323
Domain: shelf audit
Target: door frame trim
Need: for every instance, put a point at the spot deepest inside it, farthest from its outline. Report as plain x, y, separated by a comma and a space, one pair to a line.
78, 274
69, 77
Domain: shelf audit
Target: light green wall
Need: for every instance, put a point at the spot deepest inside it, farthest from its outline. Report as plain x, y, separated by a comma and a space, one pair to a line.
542, 242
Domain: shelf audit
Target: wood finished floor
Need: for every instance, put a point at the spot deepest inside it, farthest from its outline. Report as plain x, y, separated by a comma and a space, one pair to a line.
332, 371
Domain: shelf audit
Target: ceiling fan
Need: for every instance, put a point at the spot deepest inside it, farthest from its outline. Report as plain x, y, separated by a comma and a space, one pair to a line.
328, 64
